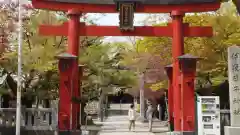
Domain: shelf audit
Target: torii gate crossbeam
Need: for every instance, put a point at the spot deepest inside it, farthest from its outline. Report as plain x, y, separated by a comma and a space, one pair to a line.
148, 31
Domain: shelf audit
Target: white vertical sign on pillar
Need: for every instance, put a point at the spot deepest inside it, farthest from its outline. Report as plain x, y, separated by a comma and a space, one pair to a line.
234, 84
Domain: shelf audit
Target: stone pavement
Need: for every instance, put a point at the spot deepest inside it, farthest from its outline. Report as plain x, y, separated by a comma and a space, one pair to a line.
119, 125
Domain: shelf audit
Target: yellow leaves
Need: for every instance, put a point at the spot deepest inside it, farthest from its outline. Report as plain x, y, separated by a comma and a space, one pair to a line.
198, 19
230, 6
38, 51
159, 46
44, 17
39, 56
159, 85
218, 80
213, 50
4, 16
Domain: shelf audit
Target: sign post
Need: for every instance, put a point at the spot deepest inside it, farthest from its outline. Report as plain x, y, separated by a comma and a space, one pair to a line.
19, 82
234, 90
126, 16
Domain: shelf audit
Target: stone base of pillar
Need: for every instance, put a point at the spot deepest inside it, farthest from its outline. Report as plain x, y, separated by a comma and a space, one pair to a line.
229, 130
78, 132
142, 119
181, 133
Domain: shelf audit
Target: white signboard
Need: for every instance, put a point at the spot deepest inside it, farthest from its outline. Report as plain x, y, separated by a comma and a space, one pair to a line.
234, 84
208, 108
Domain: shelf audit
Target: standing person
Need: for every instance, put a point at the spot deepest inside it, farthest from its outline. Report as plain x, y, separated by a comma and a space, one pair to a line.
150, 111
159, 112
163, 107
132, 117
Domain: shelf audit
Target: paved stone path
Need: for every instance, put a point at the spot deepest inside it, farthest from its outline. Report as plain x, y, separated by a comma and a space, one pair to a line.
119, 125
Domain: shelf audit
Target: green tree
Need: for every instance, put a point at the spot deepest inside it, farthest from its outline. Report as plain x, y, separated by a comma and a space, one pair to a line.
103, 67
213, 50
38, 51
103, 72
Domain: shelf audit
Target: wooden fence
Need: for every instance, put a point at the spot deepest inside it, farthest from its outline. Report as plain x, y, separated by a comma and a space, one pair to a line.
46, 118
32, 118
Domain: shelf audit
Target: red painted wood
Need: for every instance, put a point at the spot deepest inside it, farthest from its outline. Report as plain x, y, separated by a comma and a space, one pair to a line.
72, 30
177, 50
72, 77
54, 30
169, 71
61, 30
94, 8
177, 30
73, 48
64, 111
188, 115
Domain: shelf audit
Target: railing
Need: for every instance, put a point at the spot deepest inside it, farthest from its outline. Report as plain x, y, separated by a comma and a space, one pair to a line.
46, 118
225, 119
32, 118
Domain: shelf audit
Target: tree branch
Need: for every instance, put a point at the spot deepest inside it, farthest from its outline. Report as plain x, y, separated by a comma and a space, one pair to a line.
62, 39
28, 42
45, 42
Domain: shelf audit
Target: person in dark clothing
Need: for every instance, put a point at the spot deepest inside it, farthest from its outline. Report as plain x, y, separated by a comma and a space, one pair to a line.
163, 107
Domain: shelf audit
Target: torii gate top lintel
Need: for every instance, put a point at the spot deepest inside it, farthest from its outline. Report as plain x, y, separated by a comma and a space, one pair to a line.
60, 5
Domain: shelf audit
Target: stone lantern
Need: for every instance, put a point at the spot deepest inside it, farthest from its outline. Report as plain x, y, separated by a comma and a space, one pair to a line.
169, 72
65, 113
188, 64
65, 61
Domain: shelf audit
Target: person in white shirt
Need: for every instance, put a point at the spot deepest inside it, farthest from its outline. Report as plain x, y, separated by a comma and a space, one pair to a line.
159, 111
132, 117
149, 112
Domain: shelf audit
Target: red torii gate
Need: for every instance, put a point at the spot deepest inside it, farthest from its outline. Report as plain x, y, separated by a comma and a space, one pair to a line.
176, 29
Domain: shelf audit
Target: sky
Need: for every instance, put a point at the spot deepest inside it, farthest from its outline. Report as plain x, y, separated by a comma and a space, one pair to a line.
112, 19
106, 19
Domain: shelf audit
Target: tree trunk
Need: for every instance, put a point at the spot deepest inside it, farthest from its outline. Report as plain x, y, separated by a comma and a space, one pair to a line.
106, 106
83, 114
142, 103
142, 97
101, 106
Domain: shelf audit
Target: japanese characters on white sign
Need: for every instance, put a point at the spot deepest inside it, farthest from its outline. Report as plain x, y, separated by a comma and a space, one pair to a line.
234, 84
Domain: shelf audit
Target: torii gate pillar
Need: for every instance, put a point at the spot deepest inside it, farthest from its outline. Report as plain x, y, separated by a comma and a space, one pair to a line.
177, 50
66, 106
